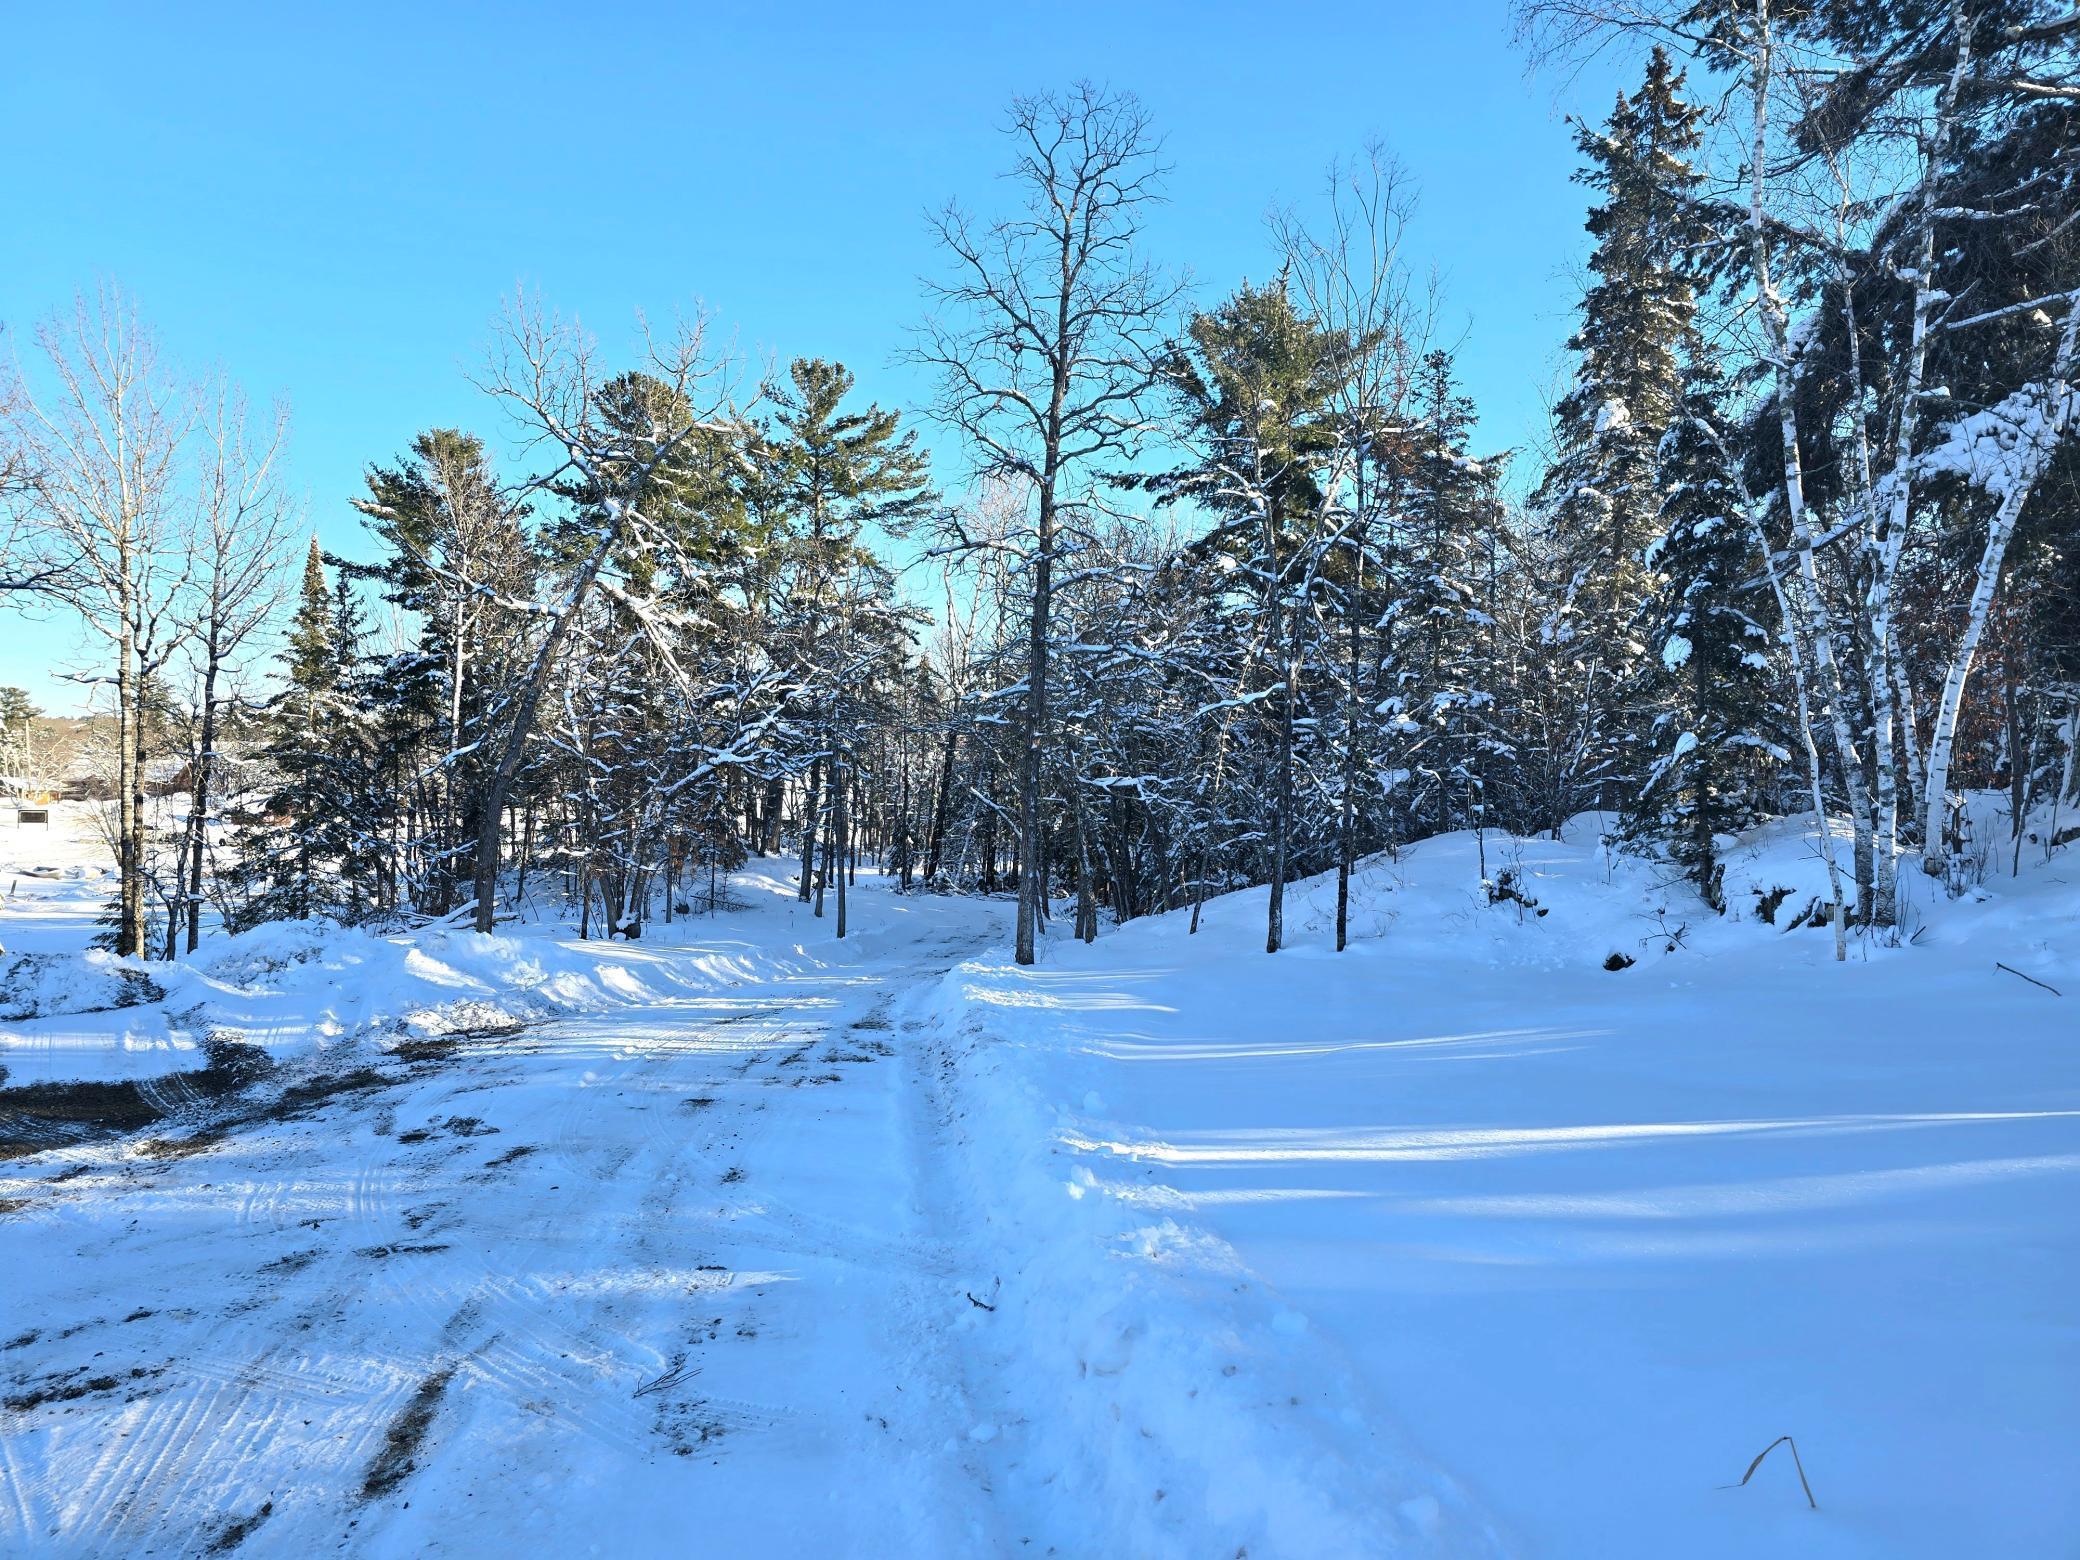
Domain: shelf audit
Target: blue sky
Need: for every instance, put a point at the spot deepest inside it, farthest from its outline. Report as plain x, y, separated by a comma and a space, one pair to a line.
329, 202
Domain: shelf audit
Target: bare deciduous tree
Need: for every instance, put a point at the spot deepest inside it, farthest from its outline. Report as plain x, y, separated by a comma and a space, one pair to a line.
1048, 343
243, 526
98, 457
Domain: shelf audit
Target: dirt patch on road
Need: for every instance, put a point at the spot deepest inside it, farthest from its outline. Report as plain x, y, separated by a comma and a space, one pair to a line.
70, 1385
454, 1126
398, 1459
239, 1529
40, 1116
300, 1099
180, 1148
425, 1050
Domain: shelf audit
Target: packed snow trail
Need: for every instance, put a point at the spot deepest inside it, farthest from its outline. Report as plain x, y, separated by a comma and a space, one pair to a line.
615, 1285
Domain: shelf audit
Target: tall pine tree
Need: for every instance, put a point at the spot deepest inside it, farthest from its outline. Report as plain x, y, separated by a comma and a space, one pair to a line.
1255, 380
1636, 332
832, 476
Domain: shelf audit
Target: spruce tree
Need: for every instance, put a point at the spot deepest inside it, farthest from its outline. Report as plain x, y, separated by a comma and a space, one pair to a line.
1636, 331
1443, 532
308, 854
1707, 685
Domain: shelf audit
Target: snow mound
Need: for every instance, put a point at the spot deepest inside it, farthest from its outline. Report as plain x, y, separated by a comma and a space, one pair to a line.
39, 985
295, 987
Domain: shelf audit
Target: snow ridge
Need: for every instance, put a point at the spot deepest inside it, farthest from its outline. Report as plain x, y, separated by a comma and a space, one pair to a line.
1148, 1386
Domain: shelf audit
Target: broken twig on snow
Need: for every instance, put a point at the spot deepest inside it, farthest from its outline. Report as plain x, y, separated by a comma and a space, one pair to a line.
1782, 1440
2030, 978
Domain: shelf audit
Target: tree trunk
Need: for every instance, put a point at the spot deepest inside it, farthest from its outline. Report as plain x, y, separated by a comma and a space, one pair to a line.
128, 928
830, 860
1030, 885
1347, 811
776, 798
139, 815
2018, 770
1909, 735
841, 790
199, 801
1999, 532
812, 816
1282, 801
1818, 630
940, 804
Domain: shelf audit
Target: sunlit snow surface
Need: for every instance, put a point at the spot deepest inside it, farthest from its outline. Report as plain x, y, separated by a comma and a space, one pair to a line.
740, 1241
1591, 1239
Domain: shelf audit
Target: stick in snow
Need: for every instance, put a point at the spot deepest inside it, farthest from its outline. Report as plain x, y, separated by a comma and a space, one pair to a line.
1782, 1440
2030, 978
670, 1378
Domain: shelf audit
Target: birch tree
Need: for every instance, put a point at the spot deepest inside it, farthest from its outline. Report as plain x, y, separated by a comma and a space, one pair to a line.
99, 441
243, 526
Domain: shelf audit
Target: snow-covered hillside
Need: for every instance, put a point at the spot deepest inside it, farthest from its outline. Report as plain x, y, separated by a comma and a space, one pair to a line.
745, 1240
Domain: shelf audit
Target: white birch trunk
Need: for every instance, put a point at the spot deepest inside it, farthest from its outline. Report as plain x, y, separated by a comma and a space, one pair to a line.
1891, 521
2030, 465
1770, 308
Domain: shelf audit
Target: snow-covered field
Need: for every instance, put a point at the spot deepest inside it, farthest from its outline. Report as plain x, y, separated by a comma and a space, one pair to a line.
740, 1239
1593, 1239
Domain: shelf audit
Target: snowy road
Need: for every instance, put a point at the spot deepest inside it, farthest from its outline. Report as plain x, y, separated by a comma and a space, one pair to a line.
610, 1286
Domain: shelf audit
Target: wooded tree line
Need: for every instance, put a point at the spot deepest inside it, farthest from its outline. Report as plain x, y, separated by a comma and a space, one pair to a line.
1804, 539
1232, 596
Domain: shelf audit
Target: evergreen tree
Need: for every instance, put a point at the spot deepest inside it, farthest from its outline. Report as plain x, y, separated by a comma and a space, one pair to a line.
1256, 380
1636, 328
18, 717
845, 471
311, 853
832, 476
1708, 683
443, 528
1443, 555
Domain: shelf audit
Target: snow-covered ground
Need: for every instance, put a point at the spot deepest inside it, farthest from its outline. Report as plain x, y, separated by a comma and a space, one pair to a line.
293, 989
54, 878
1595, 1238
606, 1286
739, 1239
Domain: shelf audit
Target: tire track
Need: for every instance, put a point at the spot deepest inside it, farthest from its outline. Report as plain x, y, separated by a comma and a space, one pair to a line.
593, 1260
